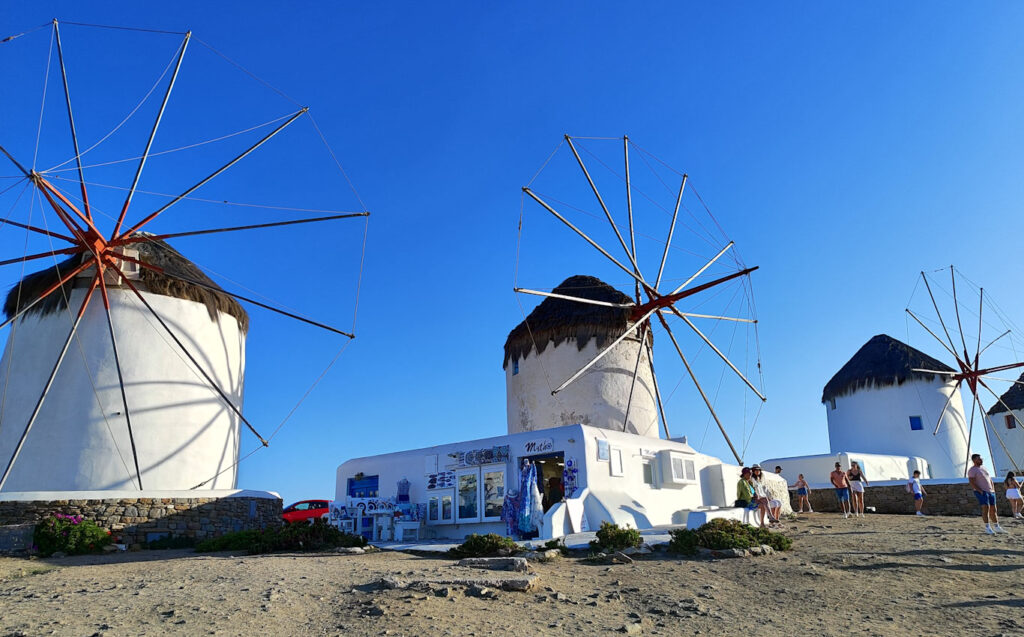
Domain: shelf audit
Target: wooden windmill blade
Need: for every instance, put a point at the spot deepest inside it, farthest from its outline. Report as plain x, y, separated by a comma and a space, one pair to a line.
126, 262
651, 299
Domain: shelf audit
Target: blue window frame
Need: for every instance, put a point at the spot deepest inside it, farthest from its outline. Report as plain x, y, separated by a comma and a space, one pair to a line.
515, 367
365, 487
916, 424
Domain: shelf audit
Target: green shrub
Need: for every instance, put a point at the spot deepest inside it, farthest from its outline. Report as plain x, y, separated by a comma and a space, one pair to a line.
318, 536
683, 542
490, 545
612, 538
719, 534
71, 534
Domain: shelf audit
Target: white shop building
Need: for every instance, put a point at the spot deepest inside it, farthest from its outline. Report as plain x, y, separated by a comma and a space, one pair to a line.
590, 462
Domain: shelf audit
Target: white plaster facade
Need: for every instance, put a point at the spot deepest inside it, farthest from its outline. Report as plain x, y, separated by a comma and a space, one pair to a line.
877, 420
597, 399
1001, 435
611, 484
876, 467
184, 434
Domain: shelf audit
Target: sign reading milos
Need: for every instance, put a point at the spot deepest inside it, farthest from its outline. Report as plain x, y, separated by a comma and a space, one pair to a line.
540, 445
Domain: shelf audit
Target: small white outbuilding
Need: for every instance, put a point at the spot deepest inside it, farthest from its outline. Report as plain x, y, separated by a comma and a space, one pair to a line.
1006, 432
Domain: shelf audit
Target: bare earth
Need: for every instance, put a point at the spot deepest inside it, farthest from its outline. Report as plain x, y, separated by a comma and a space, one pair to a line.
880, 575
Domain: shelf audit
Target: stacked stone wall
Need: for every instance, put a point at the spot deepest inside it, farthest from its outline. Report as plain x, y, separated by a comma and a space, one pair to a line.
135, 521
940, 499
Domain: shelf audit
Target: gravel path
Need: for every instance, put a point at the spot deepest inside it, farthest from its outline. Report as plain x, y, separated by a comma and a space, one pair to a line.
879, 575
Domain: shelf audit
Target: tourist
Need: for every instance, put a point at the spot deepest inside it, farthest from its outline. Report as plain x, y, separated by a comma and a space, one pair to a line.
766, 505
985, 492
1013, 495
857, 483
914, 486
803, 493
745, 490
842, 486
778, 470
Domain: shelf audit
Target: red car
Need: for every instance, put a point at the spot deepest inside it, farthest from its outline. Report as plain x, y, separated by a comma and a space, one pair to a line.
306, 510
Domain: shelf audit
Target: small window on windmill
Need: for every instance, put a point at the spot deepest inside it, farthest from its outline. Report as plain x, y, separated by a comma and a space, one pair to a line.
916, 424
832, 403
515, 367
1011, 422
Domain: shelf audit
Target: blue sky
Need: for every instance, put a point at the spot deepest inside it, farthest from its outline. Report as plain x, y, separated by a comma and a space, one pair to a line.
844, 149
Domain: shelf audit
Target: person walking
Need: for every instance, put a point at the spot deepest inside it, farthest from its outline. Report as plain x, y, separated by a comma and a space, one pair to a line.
915, 487
1013, 494
842, 486
803, 493
857, 483
985, 492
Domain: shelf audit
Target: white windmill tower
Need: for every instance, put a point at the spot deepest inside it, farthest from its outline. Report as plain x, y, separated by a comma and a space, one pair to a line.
585, 353
124, 363
988, 330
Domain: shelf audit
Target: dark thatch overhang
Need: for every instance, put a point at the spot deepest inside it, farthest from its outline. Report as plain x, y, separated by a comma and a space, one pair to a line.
1014, 399
155, 252
881, 362
555, 321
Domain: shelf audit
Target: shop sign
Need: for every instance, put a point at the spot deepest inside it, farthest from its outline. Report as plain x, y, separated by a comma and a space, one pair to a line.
478, 457
540, 445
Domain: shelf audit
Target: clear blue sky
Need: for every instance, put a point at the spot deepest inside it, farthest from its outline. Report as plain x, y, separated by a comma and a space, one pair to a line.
844, 149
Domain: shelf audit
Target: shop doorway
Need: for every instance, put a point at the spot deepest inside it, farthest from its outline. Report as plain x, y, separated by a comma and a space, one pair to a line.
550, 468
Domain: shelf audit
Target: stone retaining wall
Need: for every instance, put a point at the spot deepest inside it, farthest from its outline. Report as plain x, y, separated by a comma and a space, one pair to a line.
940, 499
135, 521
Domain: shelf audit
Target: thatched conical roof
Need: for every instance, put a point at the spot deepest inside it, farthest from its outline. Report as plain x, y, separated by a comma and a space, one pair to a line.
881, 362
1014, 399
155, 252
557, 320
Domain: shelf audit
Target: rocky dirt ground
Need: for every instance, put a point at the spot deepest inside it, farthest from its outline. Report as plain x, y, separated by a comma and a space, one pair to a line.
879, 575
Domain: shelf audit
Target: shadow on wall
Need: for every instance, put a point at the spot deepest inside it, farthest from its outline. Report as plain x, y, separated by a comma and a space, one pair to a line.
135, 521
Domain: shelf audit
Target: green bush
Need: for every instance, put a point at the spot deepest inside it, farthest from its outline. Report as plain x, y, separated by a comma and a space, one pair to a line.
612, 538
71, 534
719, 534
490, 545
683, 542
318, 536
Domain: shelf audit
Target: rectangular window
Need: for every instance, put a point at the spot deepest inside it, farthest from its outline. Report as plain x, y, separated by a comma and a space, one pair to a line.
515, 367
916, 424
363, 487
494, 492
468, 493
691, 470
1011, 422
648, 472
678, 472
832, 403
439, 507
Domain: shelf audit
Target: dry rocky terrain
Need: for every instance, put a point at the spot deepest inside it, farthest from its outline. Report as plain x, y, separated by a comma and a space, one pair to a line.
879, 575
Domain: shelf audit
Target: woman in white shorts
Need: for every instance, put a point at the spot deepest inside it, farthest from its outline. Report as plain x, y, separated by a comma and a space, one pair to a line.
1013, 495
857, 484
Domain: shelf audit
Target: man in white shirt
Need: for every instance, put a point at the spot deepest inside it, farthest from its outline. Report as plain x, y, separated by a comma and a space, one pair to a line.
985, 492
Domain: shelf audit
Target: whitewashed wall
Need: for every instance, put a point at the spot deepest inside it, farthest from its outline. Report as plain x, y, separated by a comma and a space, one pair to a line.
1012, 439
877, 421
817, 468
598, 398
183, 432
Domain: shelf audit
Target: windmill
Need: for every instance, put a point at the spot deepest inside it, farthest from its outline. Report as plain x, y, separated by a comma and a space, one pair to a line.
570, 197
993, 330
106, 257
